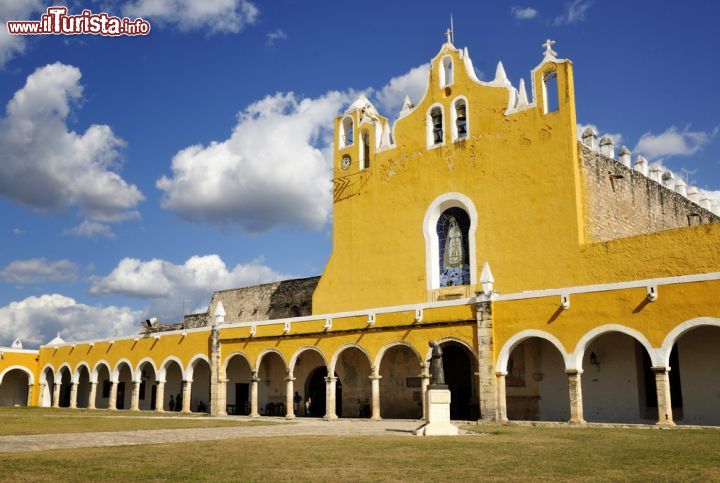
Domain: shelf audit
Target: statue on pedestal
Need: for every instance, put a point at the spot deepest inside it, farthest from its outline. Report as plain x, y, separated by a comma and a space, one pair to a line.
437, 373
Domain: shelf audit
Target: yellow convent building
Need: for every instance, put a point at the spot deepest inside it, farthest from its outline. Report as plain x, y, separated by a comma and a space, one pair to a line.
564, 280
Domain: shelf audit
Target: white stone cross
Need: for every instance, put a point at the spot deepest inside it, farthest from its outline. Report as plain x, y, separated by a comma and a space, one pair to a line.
548, 48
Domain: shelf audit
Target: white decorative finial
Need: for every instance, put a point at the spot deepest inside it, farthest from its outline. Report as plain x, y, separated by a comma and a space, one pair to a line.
522, 94
549, 52
486, 279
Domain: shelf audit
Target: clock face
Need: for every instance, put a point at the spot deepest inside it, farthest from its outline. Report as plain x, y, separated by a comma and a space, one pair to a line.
345, 163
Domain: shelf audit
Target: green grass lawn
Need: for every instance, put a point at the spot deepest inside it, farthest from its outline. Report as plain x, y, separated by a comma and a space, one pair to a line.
497, 453
53, 421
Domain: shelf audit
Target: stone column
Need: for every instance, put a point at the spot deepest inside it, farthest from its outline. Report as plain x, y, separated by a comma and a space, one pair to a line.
289, 389
135, 397
160, 397
487, 390
221, 398
501, 396
73, 395
575, 390
41, 393
330, 393
662, 386
254, 379
56, 395
186, 395
424, 383
112, 403
217, 407
375, 383
93, 395
30, 395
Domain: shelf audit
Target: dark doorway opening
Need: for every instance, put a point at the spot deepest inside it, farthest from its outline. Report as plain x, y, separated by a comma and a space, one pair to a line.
458, 377
120, 396
242, 392
316, 390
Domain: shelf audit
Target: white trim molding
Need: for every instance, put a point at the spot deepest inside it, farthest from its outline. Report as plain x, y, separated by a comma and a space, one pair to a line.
679, 331
512, 342
28, 372
576, 357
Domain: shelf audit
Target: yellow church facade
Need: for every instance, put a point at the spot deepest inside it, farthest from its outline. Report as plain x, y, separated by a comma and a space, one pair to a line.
563, 281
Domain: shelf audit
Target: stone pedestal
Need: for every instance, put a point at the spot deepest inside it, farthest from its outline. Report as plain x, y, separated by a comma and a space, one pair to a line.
438, 415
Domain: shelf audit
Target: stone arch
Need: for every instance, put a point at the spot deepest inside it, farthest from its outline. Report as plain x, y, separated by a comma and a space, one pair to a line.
460, 378
138, 369
460, 105
118, 366
576, 357
101, 363
339, 351
162, 371
346, 132
15, 386
46, 398
76, 374
438, 206
230, 357
512, 342
236, 371
266, 352
43, 372
398, 363
433, 111
451, 339
353, 367
294, 358
386, 347
65, 385
28, 372
679, 331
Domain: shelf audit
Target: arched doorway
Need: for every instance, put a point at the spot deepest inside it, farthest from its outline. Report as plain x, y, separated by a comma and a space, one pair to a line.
316, 388
83, 389
272, 385
148, 387
352, 369
309, 371
14, 388
46, 398
173, 386
237, 373
618, 385
200, 390
65, 387
124, 386
459, 370
536, 385
102, 391
400, 384
695, 377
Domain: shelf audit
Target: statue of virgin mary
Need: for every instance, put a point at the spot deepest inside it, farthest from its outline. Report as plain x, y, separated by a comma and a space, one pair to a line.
453, 256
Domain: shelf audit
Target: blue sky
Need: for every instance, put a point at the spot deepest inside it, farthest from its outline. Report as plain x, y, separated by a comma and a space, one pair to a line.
139, 174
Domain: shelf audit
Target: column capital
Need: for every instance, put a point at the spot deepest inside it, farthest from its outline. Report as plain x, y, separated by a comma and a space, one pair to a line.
254, 378
289, 378
573, 372
187, 381
375, 377
660, 369
331, 379
500, 374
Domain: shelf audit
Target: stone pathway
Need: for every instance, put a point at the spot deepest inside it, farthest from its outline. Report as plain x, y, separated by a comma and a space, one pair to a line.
299, 427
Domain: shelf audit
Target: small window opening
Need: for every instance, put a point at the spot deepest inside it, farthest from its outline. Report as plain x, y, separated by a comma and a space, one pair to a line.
365, 151
446, 72
461, 119
346, 132
550, 92
437, 125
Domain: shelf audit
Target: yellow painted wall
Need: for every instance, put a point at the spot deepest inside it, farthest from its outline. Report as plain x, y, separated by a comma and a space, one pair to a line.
24, 359
522, 173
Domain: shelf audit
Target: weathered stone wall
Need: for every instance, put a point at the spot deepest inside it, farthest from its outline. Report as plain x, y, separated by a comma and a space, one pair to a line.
622, 202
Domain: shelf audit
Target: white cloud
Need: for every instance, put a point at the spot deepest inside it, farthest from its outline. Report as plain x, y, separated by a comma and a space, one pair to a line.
37, 270
413, 84
674, 142
18, 232
526, 13
574, 12
36, 320
216, 16
271, 171
12, 45
173, 287
274, 36
90, 229
616, 137
48, 167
